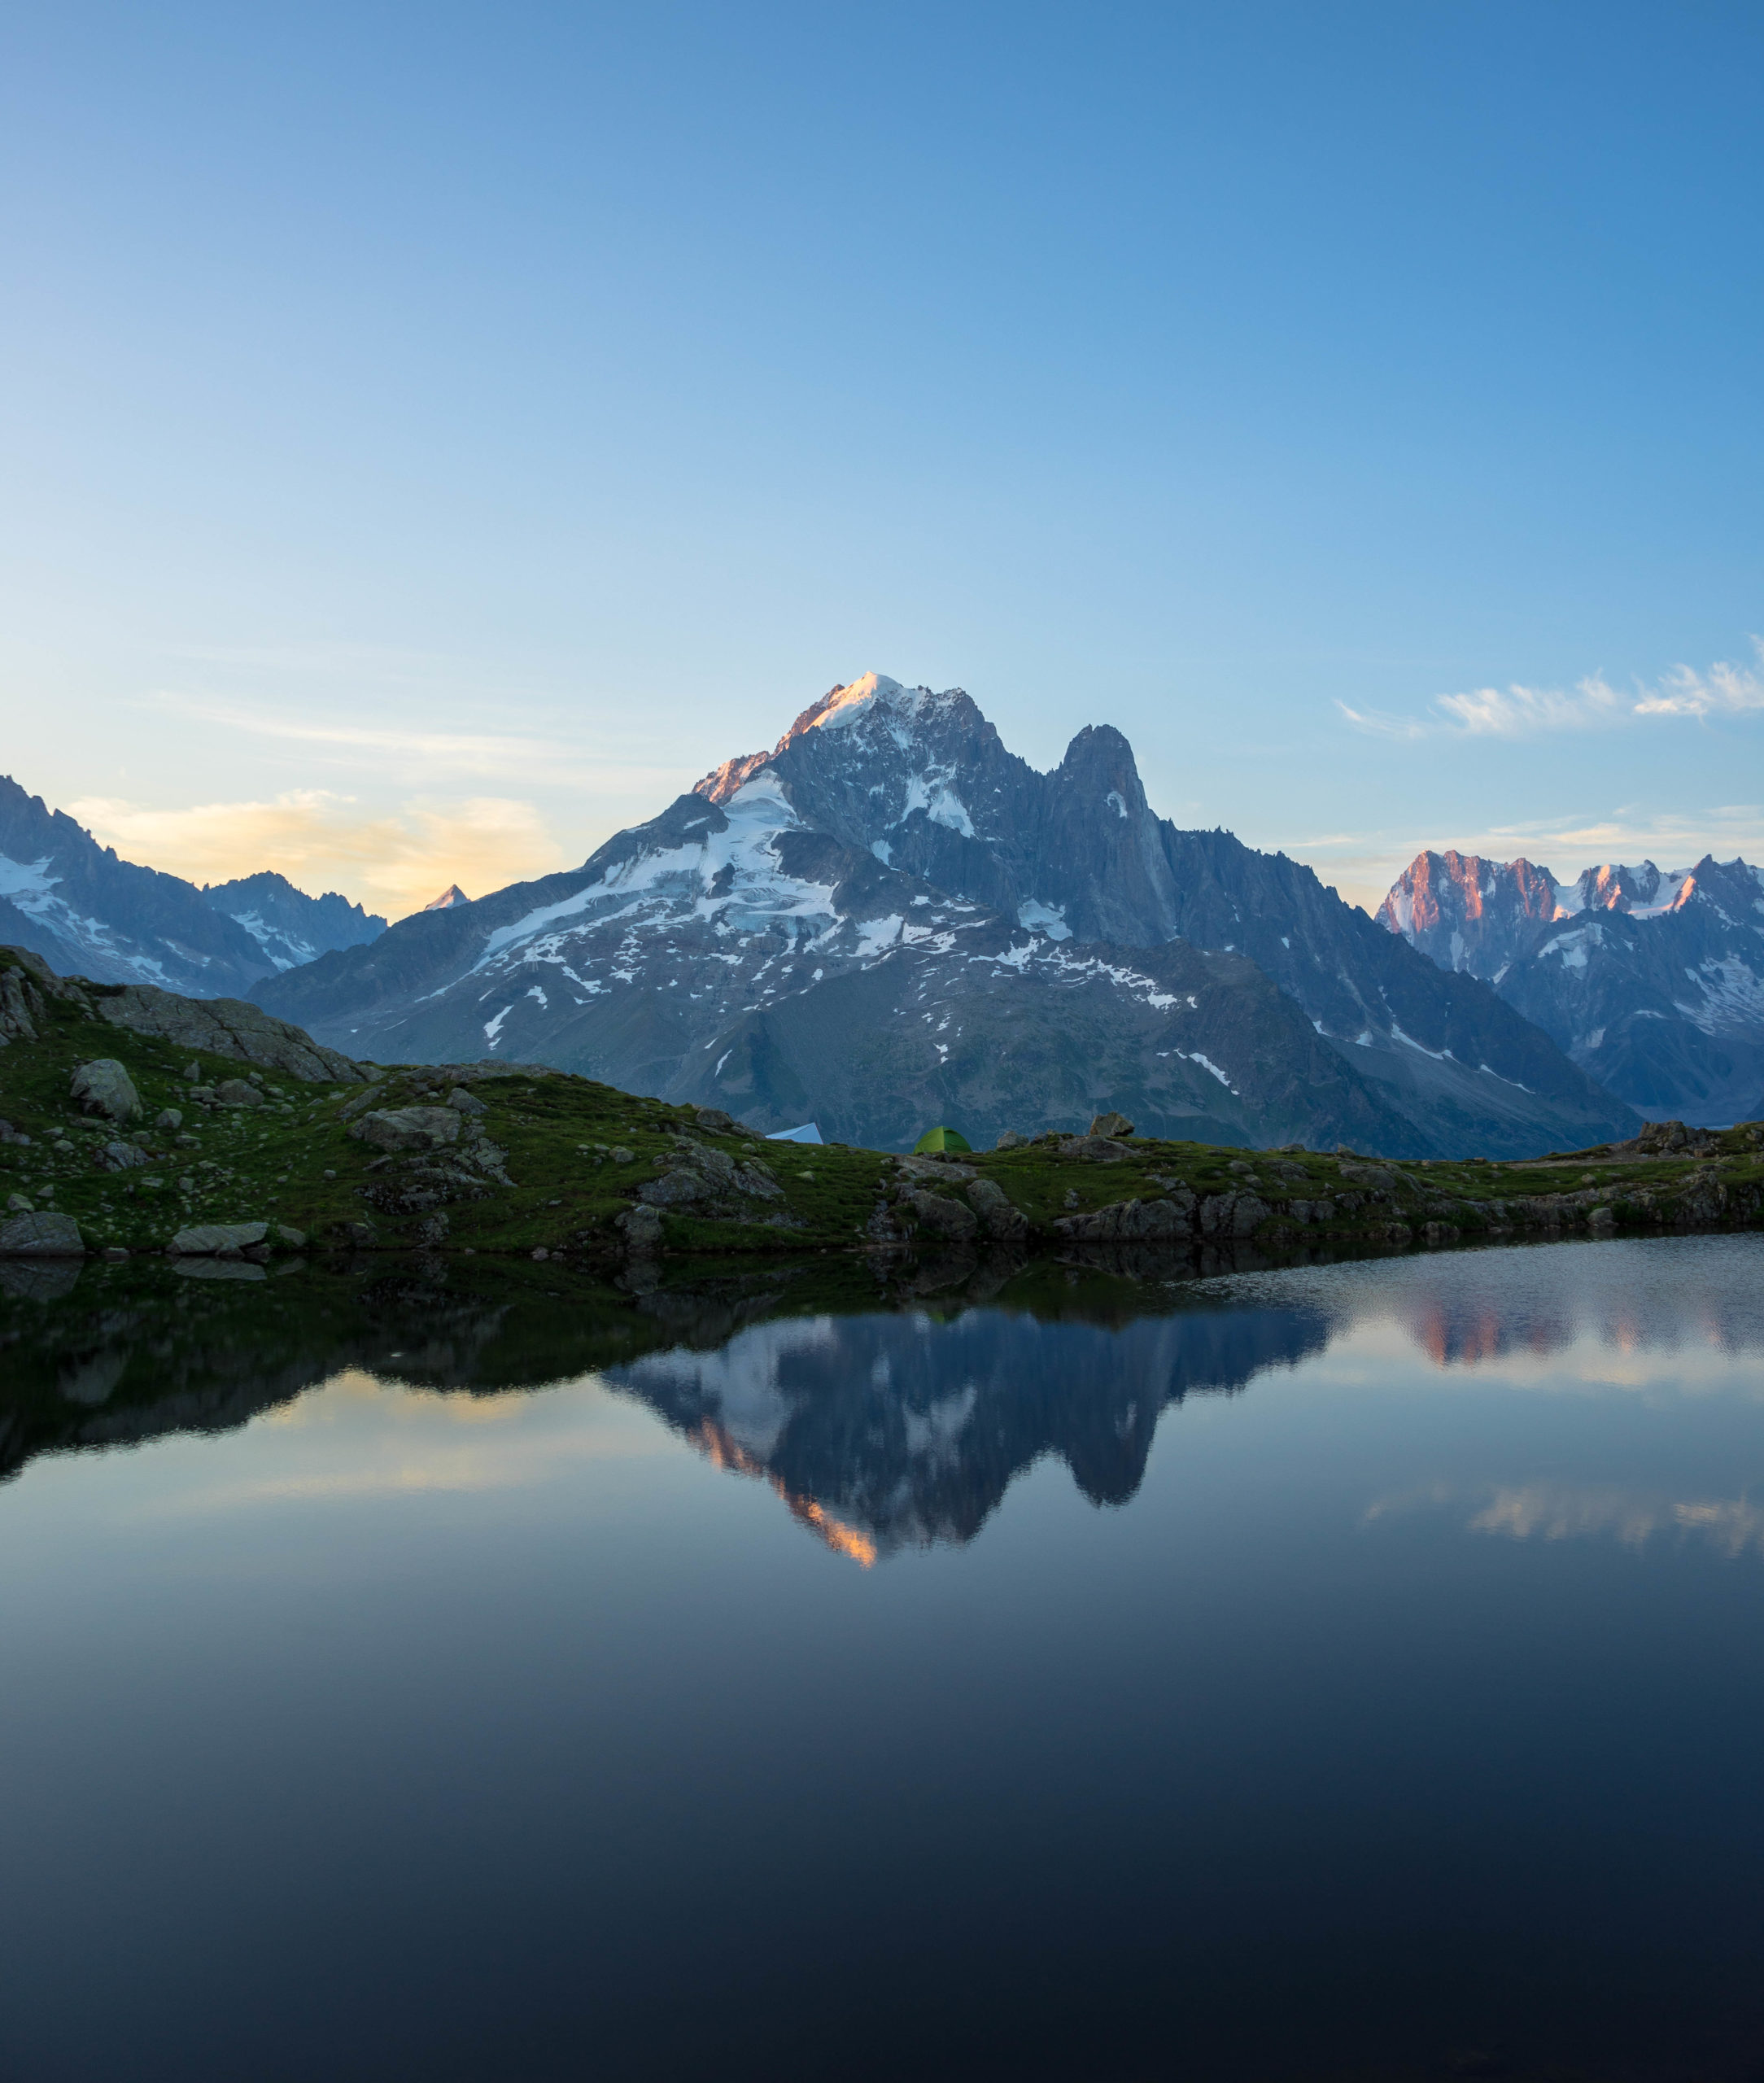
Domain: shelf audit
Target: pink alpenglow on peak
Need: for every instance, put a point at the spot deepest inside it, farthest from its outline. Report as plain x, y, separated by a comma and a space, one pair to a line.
449, 897
840, 707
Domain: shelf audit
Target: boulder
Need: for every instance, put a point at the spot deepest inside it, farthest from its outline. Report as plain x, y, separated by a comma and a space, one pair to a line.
1009, 1139
999, 1216
463, 1102
714, 1121
230, 1028
1095, 1150
169, 1118
41, 1236
216, 1240
407, 1128
1233, 1215
1130, 1222
942, 1217
642, 1228
105, 1087
237, 1092
675, 1189
292, 1237
119, 1157
1112, 1124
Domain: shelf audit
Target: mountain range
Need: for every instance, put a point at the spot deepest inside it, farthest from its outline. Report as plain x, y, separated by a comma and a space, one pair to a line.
889, 919
1652, 980
89, 913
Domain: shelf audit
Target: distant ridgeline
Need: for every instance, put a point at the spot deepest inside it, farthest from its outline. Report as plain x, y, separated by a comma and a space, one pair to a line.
1652, 980
88, 913
889, 921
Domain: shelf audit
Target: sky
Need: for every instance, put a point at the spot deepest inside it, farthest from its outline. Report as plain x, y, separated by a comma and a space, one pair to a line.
433, 437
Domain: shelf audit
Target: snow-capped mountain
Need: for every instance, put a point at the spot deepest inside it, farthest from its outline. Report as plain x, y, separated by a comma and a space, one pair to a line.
89, 913
1651, 979
288, 925
449, 897
889, 919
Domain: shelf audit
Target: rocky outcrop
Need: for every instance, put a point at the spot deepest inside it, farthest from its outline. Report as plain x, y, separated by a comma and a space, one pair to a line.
227, 1027
409, 1128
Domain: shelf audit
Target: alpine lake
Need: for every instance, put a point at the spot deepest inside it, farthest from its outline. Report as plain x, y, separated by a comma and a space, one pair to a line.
981, 1665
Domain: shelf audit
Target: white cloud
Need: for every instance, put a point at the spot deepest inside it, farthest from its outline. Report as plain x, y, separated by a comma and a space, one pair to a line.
394, 862
1518, 711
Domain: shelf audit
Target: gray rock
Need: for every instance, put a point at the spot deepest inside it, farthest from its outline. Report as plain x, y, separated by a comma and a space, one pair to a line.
20, 1204
621, 1155
169, 1118
1096, 1150
463, 1102
218, 1268
755, 1180
675, 1189
942, 1217
290, 1235
409, 1128
999, 1216
119, 1157
216, 1240
230, 1027
1009, 1139
642, 1228
1130, 1222
1233, 1215
237, 1092
1112, 1124
104, 1087
41, 1236
714, 1121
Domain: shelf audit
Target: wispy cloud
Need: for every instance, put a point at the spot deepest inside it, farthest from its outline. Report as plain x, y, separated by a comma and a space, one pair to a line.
320, 840
1518, 711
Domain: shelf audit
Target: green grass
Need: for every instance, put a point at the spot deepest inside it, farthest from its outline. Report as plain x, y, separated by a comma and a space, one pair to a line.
293, 1162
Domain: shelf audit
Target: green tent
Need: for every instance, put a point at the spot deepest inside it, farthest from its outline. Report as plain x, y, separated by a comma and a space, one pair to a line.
941, 1139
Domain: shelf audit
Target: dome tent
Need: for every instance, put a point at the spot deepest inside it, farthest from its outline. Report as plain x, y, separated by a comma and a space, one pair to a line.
944, 1139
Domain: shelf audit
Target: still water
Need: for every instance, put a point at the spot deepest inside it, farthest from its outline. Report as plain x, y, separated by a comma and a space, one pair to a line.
1352, 1671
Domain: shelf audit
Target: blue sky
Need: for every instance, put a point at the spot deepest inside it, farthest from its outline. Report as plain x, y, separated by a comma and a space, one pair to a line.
434, 436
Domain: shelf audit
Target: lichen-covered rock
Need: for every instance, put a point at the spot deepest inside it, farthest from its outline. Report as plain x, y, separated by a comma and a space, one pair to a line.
942, 1217
1009, 1139
1112, 1124
463, 1102
169, 1118
216, 1240
119, 1157
21, 1006
407, 1128
999, 1216
237, 1092
714, 1121
41, 1236
104, 1087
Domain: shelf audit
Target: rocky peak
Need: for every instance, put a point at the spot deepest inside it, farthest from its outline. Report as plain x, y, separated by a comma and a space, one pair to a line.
449, 897
1468, 913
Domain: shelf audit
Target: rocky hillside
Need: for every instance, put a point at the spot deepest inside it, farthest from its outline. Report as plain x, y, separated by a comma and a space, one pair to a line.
889, 919
84, 911
1651, 980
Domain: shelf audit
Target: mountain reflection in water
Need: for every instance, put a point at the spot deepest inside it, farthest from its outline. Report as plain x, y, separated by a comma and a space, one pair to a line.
1345, 1672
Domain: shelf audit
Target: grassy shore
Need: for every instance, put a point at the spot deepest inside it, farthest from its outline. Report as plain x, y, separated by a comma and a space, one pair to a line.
546, 1163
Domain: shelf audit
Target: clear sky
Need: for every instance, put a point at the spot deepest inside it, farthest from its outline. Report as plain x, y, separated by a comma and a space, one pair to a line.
432, 436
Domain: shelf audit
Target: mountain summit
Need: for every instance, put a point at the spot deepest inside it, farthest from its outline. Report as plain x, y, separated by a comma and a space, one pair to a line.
890, 920
1651, 979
